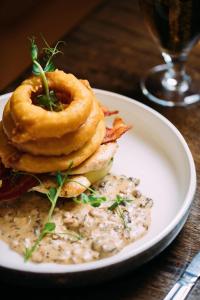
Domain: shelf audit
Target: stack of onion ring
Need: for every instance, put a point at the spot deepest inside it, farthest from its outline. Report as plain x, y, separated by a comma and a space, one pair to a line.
35, 140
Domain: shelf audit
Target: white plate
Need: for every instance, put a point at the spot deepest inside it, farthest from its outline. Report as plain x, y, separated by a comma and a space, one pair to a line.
154, 151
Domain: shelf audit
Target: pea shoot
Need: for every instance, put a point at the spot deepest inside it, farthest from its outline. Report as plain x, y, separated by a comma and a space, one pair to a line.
115, 207
94, 199
47, 100
119, 201
49, 227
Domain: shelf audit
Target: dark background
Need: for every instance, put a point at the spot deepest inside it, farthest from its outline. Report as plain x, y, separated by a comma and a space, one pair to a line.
22, 19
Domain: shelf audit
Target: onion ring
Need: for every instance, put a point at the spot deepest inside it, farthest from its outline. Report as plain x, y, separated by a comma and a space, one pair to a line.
12, 158
56, 146
33, 121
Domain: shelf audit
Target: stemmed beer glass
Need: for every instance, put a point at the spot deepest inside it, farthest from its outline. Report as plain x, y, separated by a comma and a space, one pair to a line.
175, 25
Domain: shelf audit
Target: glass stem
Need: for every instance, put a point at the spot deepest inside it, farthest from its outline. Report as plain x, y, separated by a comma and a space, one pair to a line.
175, 79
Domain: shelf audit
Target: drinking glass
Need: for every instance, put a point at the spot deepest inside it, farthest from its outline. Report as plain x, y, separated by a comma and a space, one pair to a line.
175, 26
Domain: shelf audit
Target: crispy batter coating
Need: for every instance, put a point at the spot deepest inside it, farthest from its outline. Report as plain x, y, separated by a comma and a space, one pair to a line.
38, 141
12, 158
56, 146
32, 121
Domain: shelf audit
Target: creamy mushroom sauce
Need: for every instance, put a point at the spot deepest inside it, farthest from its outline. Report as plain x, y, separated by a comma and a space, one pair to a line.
83, 233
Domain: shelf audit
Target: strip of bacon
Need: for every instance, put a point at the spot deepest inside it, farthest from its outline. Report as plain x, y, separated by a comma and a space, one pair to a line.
119, 128
13, 187
108, 112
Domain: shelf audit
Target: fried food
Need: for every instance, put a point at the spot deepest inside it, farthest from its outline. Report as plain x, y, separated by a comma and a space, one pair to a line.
56, 146
36, 141
21, 146
98, 160
12, 158
72, 188
32, 121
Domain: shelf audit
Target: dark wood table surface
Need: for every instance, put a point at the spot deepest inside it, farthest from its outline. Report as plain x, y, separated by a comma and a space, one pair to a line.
112, 49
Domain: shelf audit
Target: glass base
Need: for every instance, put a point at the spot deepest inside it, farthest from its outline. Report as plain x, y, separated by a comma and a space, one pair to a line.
153, 88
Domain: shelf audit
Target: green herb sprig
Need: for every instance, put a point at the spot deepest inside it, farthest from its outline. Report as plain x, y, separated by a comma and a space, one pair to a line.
118, 201
94, 199
54, 192
47, 100
49, 227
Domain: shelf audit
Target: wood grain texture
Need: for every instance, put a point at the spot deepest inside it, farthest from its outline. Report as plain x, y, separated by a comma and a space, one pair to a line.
113, 50
50, 18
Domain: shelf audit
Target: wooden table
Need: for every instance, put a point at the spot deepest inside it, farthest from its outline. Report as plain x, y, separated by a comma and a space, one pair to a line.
112, 49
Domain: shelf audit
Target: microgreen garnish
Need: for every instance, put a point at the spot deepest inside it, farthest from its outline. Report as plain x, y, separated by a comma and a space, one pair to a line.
49, 54
47, 100
116, 207
54, 193
119, 201
49, 227
94, 199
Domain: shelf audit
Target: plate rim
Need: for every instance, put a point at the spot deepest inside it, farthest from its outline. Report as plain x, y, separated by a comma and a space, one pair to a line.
184, 209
